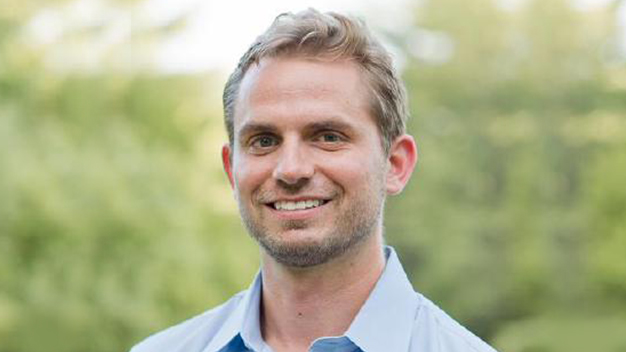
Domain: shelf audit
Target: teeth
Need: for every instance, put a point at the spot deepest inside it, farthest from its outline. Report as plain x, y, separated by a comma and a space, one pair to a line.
301, 205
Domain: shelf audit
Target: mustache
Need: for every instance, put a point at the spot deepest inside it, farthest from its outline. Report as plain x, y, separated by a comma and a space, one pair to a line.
270, 195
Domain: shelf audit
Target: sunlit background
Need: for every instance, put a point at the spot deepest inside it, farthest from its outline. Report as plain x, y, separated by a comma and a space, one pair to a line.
116, 220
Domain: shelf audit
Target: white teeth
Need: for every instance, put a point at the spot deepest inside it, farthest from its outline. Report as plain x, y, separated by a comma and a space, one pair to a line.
301, 205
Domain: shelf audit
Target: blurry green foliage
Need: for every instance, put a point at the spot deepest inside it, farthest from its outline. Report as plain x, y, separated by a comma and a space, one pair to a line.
517, 210
112, 224
116, 220
563, 334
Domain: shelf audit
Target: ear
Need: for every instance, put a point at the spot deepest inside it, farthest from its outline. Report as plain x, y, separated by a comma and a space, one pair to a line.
402, 159
227, 162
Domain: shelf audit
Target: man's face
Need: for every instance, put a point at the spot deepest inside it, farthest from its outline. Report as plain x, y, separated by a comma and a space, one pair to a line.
307, 164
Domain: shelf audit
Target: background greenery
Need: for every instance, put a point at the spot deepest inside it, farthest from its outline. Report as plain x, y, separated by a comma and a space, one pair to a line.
116, 220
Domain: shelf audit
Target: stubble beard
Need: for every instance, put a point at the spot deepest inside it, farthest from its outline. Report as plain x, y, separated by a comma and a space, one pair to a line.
353, 227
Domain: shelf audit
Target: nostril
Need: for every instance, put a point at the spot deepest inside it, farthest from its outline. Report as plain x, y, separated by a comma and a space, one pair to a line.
292, 187
293, 167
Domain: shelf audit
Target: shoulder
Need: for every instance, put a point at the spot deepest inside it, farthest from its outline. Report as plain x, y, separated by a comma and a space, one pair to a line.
435, 331
192, 334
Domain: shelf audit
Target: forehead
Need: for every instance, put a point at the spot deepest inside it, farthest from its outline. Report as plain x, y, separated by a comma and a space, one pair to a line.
285, 89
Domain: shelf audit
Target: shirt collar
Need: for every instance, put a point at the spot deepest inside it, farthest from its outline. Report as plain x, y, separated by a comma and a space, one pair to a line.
384, 323
242, 322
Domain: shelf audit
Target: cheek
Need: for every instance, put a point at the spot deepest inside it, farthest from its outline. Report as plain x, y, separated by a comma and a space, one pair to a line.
249, 174
356, 174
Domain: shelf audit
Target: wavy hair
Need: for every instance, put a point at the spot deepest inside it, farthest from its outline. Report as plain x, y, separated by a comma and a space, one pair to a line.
329, 36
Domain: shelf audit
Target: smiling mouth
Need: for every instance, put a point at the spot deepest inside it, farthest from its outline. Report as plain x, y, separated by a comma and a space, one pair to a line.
297, 205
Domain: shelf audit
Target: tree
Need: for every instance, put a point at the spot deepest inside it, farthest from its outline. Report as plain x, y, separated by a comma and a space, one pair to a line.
509, 217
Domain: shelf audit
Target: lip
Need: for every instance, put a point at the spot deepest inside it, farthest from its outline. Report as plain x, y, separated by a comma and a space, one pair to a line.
303, 214
297, 199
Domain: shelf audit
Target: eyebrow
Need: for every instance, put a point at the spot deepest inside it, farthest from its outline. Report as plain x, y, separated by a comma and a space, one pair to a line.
255, 127
329, 125
259, 127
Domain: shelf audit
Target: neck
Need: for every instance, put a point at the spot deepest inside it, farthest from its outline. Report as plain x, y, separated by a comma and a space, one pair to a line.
301, 305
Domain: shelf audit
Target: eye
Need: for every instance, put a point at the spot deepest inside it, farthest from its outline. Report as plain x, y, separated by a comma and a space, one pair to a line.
263, 142
329, 137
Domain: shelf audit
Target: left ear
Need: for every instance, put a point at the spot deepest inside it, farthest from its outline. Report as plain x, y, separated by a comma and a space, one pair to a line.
402, 159
227, 160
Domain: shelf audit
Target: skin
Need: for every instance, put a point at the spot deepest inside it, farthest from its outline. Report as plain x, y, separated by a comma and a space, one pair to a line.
303, 131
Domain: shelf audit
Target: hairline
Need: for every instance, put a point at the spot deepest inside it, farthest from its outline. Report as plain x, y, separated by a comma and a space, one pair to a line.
364, 75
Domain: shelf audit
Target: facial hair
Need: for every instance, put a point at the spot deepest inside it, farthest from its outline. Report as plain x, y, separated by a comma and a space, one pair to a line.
356, 224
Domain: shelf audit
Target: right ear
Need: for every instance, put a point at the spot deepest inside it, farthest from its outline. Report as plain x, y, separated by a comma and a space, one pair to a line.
227, 154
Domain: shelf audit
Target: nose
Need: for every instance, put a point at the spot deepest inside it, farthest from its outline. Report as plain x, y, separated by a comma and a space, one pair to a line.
293, 166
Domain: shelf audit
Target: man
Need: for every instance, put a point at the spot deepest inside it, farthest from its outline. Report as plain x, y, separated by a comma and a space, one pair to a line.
316, 115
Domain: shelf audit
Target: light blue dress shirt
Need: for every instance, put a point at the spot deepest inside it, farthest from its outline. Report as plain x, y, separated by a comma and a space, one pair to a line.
394, 318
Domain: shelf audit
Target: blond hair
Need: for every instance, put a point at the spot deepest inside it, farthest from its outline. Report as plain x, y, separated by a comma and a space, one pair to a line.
335, 37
